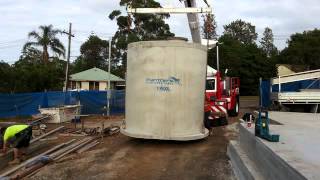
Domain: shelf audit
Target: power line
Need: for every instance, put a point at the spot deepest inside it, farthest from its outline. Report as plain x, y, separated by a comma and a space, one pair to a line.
92, 32
7, 46
13, 41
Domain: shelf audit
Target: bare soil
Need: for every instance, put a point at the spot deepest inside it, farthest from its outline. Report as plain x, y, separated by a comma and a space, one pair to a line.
122, 157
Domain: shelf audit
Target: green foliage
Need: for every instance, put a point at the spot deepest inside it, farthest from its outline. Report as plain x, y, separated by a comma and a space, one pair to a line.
239, 53
30, 74
303, 49
267, 43
37, 77
138, 27
242, 31
209, 27
46, 39
31, 55
94, 53
246, 61
6, 77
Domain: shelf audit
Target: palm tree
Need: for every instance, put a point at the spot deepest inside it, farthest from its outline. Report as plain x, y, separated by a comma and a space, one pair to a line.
46, 38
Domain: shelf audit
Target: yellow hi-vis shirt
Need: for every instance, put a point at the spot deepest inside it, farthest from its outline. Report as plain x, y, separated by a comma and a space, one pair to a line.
11, 131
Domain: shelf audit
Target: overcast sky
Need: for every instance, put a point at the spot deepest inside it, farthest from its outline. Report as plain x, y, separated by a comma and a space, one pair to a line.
18, 17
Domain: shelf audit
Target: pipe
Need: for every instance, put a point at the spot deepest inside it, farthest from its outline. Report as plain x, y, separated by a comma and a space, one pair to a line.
47, 134
36, 157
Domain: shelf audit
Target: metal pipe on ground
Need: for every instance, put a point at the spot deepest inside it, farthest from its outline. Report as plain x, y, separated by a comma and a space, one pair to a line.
28, 171
47, 134
87, 147
39, 120
63, 150
53, 156
76, 147
14, 169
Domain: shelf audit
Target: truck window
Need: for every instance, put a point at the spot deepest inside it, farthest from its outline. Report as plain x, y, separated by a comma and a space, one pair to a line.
211, 84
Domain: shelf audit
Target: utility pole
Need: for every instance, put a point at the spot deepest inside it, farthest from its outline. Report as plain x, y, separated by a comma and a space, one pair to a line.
68, 57
218, 61
109, 76
217, 57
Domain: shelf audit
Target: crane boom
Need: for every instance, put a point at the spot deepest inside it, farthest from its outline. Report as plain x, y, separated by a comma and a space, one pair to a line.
191, 10
193, 20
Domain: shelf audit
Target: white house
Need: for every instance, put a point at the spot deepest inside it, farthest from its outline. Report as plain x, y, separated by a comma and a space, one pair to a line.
95, 79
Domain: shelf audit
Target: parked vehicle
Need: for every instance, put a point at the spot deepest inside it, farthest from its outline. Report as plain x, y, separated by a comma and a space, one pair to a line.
222, 93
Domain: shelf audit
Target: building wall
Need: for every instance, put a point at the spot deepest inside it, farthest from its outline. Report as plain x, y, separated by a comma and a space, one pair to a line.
284, 70
78, 85
103, 86
85, 85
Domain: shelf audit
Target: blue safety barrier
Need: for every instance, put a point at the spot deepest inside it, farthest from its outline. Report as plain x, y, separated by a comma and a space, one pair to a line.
265, 93
92, 102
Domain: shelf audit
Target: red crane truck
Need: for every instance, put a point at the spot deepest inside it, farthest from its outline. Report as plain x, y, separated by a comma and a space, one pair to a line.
222, 96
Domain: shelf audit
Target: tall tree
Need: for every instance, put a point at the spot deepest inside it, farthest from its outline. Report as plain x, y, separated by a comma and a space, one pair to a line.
6, 78
303, 49
267, 42
246, 61
31, 55
94, 53
243, 31
36, 77
46, 38
136, 27
209, 27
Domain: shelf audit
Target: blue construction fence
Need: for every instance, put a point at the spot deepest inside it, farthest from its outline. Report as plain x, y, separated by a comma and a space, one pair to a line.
296, 86
265, 93
92, 102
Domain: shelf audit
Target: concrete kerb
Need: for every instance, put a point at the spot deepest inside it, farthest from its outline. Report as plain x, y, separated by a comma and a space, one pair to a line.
238, 162
250, 151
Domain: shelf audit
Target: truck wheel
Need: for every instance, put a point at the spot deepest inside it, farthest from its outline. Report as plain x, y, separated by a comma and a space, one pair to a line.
215, 123
235, 111
207, 121
223, 121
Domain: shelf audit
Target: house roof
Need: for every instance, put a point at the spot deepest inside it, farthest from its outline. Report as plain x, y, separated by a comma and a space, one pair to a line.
94, 74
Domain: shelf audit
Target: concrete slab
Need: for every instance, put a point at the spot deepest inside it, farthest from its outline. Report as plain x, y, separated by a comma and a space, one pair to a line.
243, 167
299, 141
299, 144
266, 160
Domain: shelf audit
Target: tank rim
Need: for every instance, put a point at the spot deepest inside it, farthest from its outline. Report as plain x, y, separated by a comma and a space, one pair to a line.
166, 43
175, 138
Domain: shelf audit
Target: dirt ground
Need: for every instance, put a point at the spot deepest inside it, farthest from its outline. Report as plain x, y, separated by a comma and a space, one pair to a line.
121, 157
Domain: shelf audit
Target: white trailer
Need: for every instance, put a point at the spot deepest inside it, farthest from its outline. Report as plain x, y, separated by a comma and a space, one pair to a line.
307, 96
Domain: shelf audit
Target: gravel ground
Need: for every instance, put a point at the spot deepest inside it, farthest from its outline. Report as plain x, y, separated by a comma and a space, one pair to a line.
121, 157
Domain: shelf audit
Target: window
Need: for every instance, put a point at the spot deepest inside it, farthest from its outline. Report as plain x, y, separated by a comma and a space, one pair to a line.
94, 85
211, 84
91, 85
73, 85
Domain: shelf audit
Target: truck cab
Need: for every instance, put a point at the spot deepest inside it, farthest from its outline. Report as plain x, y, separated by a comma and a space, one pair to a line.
222, 93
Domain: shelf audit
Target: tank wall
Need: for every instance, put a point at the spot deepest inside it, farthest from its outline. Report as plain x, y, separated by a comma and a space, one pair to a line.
165, 89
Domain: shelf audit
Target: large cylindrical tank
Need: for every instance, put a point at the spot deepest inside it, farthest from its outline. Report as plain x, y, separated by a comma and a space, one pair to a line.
165, 88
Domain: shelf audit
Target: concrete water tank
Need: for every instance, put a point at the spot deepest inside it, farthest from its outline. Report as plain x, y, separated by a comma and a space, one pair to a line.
165, 89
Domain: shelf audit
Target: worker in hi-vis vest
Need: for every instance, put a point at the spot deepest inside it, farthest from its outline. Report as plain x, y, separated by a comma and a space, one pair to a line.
18, 136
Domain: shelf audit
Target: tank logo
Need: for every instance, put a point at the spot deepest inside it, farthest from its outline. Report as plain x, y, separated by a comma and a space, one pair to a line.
163, 85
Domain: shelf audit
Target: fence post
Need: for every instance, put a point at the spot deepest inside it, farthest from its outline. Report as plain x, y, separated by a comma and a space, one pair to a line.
279, 85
